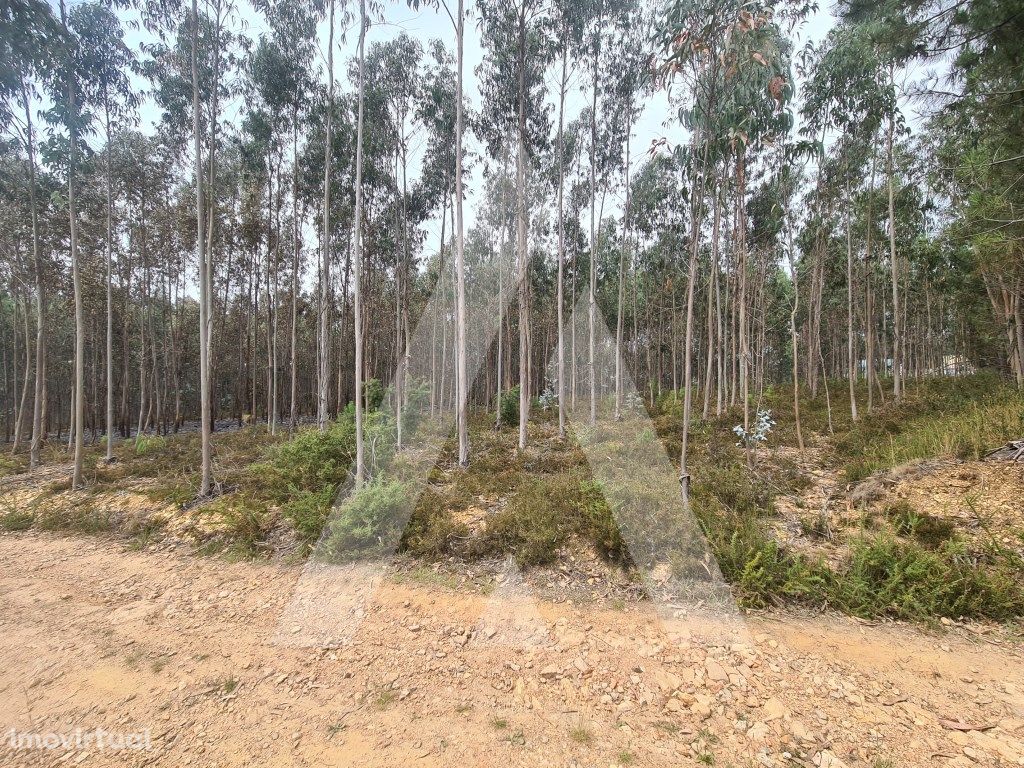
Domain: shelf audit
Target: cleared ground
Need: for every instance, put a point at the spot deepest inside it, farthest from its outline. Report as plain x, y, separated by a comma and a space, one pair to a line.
96, 635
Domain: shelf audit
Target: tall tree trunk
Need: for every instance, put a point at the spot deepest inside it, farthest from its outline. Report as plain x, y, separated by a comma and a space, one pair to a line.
502, 245
293, 411
851, 360
524, 282
744, 339
358, 224
897, 362
460, 272
793, 336
110, 290
204, 275
592, 295
691, 283
324, 377
709, 374
620, 315
559, 297
19, 418
38, 404
79, 384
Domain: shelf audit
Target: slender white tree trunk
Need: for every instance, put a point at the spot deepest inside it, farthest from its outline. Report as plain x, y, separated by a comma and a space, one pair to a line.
460, 272
323, 382
40, 390
561, 242
204, 275
897, 361
79, 384
357, 223
851, 361
110, 296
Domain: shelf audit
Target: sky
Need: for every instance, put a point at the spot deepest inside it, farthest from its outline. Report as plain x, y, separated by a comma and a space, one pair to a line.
658, 119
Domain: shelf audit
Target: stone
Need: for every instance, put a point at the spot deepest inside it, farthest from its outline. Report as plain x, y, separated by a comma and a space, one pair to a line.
716, 671
774, 710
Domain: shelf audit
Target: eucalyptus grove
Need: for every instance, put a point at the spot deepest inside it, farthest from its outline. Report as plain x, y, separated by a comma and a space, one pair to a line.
249, 238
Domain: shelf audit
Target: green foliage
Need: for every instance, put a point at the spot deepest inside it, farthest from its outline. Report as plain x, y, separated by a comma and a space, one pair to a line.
17, 520
417, 399
962, 417
508, 410
432, 532
149, 444
370, 523
544, 513
374, 393
930, 531
310, 461
531, 526
886, 576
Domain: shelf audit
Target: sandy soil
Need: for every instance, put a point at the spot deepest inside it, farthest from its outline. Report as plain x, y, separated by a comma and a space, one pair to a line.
94, 635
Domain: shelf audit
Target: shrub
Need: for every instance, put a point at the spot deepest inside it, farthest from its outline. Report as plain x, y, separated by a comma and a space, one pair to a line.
887, 576
374, 393
247, 523
417, 401
928, 530
17, 520
530, 528
432, 532
509, 407
310, 461
371, 522
148, 444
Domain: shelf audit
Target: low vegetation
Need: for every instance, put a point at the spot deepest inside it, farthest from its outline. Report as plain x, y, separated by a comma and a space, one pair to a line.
538, 505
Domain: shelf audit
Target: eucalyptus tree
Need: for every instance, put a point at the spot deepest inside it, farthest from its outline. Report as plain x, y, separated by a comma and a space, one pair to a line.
190, 86
70, 124
516, 48
845, 92
324, 346
30, 41
358, 246
631, 78
108, 62
457, 15
394, 69
435, 111
736, 61
568, 22
976, 151
281, 70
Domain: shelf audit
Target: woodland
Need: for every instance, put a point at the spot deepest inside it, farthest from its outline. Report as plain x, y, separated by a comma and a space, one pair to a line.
244, 297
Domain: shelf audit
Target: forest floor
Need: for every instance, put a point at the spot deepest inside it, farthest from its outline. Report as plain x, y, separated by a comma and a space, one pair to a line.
880, 572
96, 635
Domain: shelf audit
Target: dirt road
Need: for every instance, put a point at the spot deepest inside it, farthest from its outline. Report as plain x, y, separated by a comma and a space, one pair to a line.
173, 655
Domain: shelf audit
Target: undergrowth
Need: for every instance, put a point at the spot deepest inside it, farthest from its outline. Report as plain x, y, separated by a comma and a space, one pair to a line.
535, 505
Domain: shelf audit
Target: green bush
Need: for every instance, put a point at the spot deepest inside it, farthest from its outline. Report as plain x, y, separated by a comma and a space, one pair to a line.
531, 528
417, 402
17, 520
509, 407
374, 394
432, 532
887, 576
148, 444
371, 522
930, 531
310, 462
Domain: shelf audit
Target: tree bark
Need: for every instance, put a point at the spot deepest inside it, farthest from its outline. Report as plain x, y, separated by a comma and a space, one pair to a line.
358, 224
